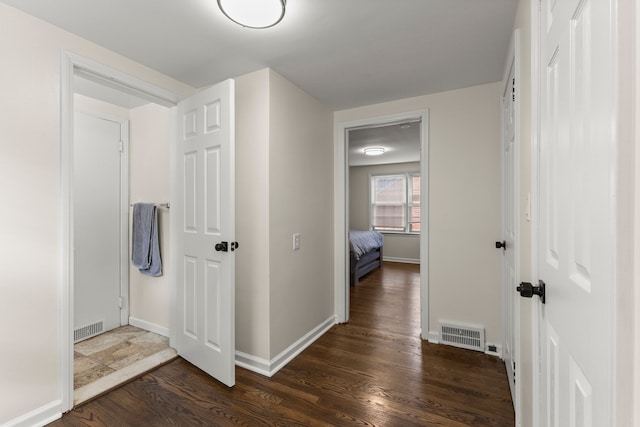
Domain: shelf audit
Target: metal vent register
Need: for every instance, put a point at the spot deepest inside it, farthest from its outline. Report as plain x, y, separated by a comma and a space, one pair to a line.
462, 336
87, 331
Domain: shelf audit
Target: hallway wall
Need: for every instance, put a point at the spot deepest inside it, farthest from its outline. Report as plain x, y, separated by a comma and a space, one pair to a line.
464, 203
30, 223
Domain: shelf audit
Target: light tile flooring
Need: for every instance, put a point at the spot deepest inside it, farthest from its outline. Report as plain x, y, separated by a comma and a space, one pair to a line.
110, 359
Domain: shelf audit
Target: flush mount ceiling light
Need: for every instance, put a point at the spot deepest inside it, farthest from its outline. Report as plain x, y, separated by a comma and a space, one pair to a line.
373, 151
253, 13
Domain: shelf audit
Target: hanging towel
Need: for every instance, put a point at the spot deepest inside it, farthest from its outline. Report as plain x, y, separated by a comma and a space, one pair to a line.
145, 248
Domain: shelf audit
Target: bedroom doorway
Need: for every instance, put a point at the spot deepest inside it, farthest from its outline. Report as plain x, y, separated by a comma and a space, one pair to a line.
382, 192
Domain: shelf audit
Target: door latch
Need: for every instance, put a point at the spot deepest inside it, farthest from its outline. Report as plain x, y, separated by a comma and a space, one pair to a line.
224, 246
527, 290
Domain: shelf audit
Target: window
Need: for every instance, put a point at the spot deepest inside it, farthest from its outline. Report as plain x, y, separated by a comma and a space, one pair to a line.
395, 203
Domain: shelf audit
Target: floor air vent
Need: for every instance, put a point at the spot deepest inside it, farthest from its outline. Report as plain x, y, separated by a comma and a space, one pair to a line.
462, 336
87, 331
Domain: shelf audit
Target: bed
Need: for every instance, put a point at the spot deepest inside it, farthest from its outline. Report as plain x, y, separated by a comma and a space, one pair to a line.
365, 253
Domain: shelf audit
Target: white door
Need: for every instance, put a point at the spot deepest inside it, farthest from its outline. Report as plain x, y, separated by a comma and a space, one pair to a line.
576, 239
203, 216
97, 222
509, 203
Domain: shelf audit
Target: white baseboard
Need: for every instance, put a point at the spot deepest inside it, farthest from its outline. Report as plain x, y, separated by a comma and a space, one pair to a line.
270, 367
148, 326
253, 363
434, 337
38, 417
497, 353
403, 260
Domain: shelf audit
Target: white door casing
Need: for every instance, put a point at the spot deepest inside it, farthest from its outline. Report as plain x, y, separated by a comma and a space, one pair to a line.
576, 238
510, 218
100, 219
72, 65
341, 212
202, 208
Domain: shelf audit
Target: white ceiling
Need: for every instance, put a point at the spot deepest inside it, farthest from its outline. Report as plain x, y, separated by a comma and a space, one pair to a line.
345, 53
401, 143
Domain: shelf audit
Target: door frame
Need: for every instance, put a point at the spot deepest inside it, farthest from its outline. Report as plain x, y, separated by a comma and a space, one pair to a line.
513, 61
341, 212
533, 208
71, 64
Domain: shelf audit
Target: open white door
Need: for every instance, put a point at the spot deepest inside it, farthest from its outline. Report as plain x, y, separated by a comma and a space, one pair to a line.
576, 236
203, 330
510, 201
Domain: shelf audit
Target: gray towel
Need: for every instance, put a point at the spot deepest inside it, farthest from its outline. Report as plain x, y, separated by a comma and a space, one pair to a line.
145, 249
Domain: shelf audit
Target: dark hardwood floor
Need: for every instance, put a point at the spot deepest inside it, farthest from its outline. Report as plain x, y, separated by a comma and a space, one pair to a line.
374, 371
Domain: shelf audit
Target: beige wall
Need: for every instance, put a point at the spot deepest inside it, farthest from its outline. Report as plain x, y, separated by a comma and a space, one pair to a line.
31, 222
252, 214
301, 193
396, 246
284, 185
151, 133
464, 202
84, 103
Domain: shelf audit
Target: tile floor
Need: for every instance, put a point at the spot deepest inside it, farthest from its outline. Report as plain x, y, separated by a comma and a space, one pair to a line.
110, 359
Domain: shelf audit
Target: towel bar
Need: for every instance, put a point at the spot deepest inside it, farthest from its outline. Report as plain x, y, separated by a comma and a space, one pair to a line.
159, 205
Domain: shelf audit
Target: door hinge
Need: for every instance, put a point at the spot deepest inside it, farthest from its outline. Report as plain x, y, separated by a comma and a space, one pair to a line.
513, 90
120, 302
514, 372
121, 146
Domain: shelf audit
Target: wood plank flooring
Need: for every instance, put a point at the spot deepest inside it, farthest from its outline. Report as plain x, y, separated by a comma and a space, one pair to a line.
374, 371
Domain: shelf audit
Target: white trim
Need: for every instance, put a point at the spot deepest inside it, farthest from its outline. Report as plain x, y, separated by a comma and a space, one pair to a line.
341, 215
148, 326
535, 161
434, 337
66, 229
514, 59
636, 223
401, 260
517, 227
497, 353
341, 211
125, 167
38, 417
253, 363
123, 82
271, 367
69, 64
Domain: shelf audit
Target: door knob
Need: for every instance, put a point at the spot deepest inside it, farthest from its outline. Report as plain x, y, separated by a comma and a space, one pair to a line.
502, 245
222, 247
527, 290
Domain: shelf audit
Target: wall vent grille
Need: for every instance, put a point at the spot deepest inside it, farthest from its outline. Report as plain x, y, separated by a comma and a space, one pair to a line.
87, 331
462, 336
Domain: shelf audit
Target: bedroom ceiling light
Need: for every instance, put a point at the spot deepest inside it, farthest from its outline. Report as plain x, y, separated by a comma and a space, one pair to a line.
373, 151
253, 13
